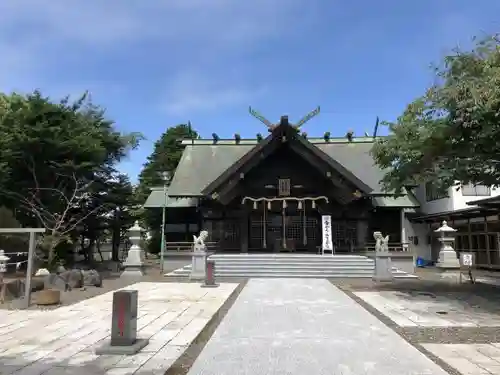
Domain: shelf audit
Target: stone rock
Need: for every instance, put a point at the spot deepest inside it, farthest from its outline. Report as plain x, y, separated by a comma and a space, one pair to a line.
92, 278
42, 272
37, 284
66, 280
54, 281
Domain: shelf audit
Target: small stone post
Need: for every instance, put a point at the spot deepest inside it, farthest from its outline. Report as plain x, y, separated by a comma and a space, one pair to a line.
124, 327
383, 264
198, 266
133, 266
3, 268
448, 259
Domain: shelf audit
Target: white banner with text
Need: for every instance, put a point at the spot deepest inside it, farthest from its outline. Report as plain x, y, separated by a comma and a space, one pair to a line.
326, 226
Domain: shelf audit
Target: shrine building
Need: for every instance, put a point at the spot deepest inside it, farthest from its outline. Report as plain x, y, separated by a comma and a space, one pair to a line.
269, 194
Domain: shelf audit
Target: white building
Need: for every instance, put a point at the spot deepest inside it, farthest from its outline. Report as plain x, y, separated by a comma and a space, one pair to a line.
471, 210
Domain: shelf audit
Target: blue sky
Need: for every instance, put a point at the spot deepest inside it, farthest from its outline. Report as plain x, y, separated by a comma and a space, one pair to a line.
154, 64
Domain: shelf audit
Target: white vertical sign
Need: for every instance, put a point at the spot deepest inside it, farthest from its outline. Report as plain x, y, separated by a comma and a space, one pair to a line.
326, 226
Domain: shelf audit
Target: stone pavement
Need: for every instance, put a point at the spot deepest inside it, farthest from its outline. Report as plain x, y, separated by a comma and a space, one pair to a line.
305, 326
429, 310
460, 329
469, 359
62, 341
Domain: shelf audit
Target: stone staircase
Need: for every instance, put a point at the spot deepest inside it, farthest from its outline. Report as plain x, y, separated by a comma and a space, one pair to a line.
291, 266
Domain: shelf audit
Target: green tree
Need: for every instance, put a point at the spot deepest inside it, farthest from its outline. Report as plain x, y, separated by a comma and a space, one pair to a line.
56, 159
165, 157
451, 133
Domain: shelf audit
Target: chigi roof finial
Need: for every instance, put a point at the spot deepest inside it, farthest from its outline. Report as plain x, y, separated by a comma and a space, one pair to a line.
284, 119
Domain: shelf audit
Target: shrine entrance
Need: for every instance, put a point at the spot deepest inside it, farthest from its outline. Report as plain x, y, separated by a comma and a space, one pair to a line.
285, 225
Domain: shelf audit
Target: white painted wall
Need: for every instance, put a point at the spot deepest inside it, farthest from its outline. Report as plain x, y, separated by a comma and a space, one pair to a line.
435, 206
422, 249
460, 202
455, 200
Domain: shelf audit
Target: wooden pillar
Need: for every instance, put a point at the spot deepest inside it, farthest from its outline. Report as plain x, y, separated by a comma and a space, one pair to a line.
404, 245
244, 229
469, 233
487, 239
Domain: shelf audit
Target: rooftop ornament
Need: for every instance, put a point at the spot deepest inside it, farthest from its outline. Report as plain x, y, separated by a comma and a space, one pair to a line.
259, 137
350, 135
237, 138
327, 136
271, 126
215, 138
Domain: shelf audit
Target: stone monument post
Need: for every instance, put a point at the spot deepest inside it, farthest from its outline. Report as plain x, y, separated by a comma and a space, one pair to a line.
448, 259
383, 263
198, 266
124, 328
134, 265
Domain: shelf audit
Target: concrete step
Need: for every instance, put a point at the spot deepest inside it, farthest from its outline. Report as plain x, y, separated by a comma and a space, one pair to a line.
270, 267
241, 272
293, 261
291, 257
296, 275
291, 265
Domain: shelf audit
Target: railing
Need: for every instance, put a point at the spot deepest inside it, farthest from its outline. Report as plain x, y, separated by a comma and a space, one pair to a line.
396, 247
185, 247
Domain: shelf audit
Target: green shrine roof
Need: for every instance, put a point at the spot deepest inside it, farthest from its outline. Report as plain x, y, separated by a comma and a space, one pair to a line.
203, 162
157, 199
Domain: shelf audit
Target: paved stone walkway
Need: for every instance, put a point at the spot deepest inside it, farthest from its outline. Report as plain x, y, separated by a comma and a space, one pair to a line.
305, 326
428, 310
62, 341
469, 359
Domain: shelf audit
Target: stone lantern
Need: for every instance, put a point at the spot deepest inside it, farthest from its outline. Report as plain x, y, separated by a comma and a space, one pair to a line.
447, 255
133, 265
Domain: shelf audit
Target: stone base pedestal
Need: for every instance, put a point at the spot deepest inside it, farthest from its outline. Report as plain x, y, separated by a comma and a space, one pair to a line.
133, 266
383, 268
450, 275
133, 271
136, 347
198, 263
448, 260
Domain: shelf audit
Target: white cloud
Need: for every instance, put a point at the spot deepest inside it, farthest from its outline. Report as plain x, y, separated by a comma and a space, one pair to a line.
98, 22
37, 36
192, 92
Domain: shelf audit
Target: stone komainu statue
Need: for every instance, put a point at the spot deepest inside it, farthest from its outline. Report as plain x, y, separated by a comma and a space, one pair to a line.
381, 242
199, 242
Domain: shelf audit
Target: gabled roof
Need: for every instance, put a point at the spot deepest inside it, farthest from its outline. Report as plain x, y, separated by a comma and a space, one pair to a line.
285, 133
203, 162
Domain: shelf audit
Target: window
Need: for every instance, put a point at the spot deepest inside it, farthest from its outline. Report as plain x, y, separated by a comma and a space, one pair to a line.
432, 193
284, 187
471, 190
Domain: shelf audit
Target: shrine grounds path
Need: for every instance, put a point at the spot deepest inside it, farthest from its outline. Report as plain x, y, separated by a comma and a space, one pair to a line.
305, 326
